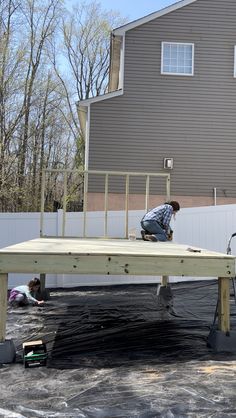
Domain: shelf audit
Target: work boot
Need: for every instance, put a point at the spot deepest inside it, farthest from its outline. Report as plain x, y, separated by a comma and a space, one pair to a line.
150, 238
143, 234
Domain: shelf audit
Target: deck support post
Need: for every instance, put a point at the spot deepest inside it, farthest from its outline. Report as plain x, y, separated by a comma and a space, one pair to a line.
3, 305
44, 293
222, 338
164, 281
164, 294
7, 348
224, 304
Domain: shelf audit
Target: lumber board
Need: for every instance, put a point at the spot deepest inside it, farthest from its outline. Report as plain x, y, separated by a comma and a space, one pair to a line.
113, 257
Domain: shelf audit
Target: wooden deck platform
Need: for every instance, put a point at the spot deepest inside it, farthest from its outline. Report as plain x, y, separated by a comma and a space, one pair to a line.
115, 257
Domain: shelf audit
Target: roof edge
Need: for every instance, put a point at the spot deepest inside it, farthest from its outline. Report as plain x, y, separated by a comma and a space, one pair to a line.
122, 29
95, 99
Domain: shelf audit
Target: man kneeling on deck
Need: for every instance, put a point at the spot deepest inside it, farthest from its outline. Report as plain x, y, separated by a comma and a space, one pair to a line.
156, 222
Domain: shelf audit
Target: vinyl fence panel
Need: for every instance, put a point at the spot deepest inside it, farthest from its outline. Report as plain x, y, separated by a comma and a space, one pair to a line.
206, 227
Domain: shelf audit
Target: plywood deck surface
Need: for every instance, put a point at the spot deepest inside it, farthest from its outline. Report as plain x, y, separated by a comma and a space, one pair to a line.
97, 246
113, 256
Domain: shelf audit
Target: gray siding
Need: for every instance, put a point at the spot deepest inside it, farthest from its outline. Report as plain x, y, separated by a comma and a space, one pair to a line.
192, 119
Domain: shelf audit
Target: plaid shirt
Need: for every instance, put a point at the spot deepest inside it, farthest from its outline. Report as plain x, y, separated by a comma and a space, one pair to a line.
161, 214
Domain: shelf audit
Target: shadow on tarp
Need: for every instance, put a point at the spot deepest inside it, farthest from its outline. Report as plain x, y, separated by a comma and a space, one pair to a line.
118, 325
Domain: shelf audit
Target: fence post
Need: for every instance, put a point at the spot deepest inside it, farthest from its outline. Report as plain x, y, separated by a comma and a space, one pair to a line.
59, 222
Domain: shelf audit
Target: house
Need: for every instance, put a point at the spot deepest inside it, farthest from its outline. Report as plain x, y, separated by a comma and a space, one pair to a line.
171, 106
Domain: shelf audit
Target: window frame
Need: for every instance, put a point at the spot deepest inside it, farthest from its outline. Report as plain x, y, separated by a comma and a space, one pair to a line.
179, 43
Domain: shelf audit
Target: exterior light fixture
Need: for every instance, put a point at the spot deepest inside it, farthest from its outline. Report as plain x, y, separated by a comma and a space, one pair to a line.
168, 163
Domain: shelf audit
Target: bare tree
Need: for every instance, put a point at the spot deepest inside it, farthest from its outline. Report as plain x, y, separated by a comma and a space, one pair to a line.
83, 67
86, 35
11, 58
41, 21
49, 59
29, 100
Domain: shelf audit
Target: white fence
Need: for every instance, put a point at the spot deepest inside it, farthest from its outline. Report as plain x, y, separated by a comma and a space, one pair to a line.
206, 227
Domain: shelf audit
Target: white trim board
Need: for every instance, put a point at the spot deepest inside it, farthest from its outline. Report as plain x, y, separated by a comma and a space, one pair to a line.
95, 99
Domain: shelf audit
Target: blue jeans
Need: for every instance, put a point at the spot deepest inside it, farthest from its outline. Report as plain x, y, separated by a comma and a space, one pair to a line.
154, 228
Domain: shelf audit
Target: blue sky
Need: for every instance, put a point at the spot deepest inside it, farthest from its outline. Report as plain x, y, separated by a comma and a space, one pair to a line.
134, 9
130, 9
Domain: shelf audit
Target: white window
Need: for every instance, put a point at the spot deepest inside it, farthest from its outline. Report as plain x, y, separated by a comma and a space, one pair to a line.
177, 58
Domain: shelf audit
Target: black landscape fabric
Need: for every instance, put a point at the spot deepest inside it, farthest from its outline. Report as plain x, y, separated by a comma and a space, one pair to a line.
114, 352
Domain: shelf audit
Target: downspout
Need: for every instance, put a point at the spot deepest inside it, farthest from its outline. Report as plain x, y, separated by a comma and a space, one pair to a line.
214, 195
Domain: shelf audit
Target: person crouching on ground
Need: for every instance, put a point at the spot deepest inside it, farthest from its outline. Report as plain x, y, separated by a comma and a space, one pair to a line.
24, 295
156, 222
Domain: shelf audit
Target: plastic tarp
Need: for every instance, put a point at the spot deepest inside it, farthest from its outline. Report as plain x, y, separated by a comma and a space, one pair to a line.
115, 352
